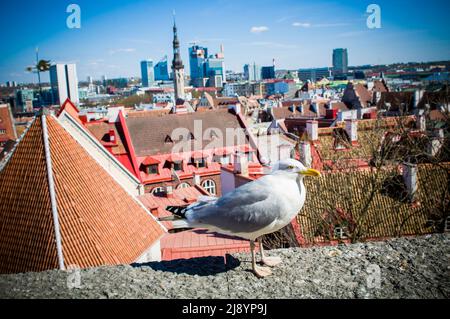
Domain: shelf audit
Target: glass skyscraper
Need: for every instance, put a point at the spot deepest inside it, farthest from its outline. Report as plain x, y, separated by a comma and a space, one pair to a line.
197, 59
340, 60
148, 75
162, 70
252, 72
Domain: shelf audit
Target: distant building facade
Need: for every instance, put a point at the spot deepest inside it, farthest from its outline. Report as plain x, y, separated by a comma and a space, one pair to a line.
147, 73
64, 83
313, 74
268, 72
162, 70
340, 61
252, 72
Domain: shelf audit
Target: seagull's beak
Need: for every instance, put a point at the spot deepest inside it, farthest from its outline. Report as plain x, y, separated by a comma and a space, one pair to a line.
310, 172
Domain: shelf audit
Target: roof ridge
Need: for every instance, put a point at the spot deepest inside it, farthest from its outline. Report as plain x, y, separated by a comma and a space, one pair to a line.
51, 187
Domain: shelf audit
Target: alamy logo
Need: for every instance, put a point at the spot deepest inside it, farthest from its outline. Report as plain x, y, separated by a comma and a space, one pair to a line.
74, 19
374, 18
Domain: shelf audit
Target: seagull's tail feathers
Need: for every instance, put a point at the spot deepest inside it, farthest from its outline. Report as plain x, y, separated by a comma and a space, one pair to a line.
179, 212
178, 220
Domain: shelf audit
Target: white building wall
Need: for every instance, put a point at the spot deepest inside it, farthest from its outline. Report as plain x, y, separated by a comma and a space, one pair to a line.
72, 83
227, 181
152, 254
121, 174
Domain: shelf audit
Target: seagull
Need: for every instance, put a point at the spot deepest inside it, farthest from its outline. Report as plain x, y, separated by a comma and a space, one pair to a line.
252, 210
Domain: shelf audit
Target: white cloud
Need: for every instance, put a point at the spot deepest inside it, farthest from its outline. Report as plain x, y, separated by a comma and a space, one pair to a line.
259, 29
126, 50
301, 24
318, 25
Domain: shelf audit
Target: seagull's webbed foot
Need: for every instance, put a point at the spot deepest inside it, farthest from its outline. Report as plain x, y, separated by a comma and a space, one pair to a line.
271, 261
262, 272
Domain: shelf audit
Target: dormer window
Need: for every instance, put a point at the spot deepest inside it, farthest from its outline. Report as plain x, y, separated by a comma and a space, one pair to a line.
152, 169
150, 165
198, 159
447, 224
178, 166
340, 232
2, 131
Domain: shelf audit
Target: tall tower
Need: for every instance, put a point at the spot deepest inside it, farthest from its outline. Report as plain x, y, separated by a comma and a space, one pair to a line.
177, 66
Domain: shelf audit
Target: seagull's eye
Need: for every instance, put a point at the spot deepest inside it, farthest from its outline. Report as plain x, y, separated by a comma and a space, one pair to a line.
290, 167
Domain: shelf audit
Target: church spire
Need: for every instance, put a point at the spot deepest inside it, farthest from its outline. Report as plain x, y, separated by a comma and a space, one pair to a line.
177, 67
177, 63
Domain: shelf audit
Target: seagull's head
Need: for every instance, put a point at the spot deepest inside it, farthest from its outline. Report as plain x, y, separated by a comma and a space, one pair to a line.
295, 168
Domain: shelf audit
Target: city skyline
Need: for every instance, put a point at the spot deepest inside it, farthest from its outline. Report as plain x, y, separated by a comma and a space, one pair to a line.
114, 38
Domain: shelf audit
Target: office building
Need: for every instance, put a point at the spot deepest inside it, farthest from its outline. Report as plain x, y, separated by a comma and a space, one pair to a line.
197, 59
147, 73
340, 61
268, 72
252, 72
314, 74
64, 83
161, 70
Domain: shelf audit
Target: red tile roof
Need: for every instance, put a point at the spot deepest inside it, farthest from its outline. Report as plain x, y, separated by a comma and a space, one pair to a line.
7, 123
70, 108
150, 161
100, 222
193, 243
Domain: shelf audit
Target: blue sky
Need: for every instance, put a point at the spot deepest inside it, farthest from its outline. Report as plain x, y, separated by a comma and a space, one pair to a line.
115, 35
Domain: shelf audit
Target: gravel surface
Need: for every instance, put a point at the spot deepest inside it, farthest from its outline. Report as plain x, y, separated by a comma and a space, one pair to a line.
400, 268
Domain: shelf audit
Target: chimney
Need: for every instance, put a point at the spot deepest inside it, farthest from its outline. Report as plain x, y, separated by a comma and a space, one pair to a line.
436, 142
169, 191
112, 136
305, 153
240, 164
410, 179
418, 94
421, 122
351, 127
312, 128
196, 179
237, 108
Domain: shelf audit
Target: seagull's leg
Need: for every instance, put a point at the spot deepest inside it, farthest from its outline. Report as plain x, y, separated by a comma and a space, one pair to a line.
259, 271
268, 261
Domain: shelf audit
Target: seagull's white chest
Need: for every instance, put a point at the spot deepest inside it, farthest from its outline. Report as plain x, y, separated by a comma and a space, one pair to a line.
293, 195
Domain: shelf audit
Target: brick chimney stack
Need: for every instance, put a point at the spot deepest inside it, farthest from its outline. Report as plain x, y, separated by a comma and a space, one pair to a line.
112, 136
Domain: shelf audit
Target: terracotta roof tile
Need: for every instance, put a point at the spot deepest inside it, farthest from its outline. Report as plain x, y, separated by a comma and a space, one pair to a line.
385, 216
148, 134
100, 222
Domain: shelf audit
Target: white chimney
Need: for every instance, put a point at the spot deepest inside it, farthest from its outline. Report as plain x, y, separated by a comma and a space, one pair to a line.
351, 127
312, 129
436, 142
418, 94
305, 153
196, 179
240, 164
169, 191
421, 122
410, 179
237, 108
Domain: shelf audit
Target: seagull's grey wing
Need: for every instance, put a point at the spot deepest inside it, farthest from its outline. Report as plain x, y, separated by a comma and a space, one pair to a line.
249, 208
